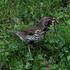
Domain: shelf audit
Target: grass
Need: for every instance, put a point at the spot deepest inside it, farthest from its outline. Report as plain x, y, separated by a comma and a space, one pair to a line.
53, 52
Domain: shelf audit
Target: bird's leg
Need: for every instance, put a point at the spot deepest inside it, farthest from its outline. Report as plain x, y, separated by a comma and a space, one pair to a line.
29, 50
55, 30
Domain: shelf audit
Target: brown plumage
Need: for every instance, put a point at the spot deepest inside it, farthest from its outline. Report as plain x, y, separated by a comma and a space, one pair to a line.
36, 33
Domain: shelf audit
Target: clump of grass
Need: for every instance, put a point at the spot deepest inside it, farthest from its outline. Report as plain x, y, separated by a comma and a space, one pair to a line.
53, 52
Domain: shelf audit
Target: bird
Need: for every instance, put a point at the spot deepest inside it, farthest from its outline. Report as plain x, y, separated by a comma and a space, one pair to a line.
36, 33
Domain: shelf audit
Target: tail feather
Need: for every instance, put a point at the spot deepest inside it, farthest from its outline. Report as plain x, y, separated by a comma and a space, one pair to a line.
18, 33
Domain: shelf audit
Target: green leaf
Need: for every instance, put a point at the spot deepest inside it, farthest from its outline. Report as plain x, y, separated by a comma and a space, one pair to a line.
28, 65
29, 56
68, 21
68, 58
44, 68
40, 57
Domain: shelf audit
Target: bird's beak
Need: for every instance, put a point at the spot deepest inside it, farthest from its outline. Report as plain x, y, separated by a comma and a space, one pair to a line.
55, 21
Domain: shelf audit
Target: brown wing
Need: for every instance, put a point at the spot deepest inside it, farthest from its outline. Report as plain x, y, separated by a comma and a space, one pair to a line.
30, 31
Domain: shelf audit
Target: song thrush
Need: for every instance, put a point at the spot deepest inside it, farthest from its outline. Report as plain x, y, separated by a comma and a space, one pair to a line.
36, 33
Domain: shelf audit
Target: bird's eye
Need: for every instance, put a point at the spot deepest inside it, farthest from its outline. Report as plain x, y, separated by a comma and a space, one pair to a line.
47, 23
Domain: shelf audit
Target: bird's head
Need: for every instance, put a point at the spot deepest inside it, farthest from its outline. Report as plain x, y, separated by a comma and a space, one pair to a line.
47, 21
